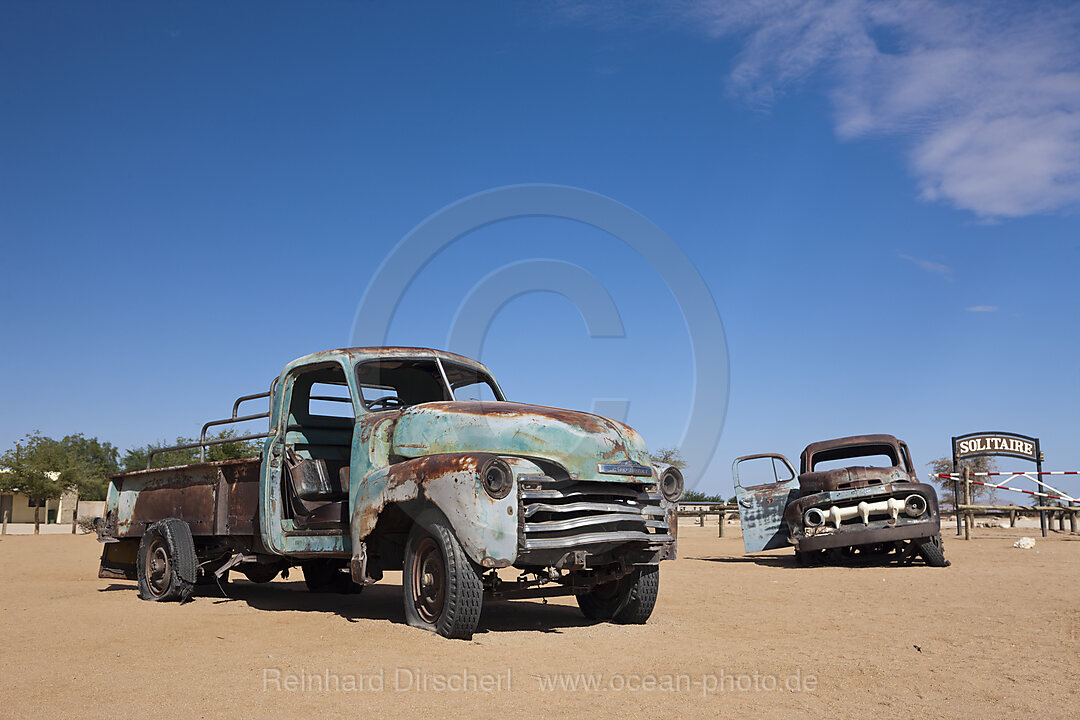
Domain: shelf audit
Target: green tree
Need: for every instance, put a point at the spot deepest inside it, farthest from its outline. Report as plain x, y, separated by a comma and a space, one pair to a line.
693, 496
100, 459
43, 469
671, 455
135, 458
977, 464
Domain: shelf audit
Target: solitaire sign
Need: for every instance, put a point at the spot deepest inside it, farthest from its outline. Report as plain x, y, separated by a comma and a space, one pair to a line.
995, 445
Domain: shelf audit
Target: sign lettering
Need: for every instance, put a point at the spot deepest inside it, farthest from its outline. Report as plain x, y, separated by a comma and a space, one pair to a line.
995, 444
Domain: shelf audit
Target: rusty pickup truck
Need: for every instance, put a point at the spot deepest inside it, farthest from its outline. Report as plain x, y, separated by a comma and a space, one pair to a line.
381, 459
854, 496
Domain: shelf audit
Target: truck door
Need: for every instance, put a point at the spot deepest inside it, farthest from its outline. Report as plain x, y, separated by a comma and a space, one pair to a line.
764, 485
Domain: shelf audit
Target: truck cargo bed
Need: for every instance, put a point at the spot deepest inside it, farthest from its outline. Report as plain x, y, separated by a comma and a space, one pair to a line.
215, 499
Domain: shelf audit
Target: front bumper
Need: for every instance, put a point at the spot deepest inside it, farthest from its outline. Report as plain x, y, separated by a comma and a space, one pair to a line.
853, 530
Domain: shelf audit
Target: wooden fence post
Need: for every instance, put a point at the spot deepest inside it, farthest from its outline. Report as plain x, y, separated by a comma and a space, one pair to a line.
723, 521
968, 517
956, 499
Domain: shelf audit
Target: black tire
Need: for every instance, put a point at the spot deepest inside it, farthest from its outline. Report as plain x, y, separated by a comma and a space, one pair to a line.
167, 568
327, 576
260, 572
628, 601
932, 551
443, 590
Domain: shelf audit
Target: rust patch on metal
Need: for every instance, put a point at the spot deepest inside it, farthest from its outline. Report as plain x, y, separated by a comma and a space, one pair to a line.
242, 511
192, 501
586, 422
850, 478
417, 471
194, 466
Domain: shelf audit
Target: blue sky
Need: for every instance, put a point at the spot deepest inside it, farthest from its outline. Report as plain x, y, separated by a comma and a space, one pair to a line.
881, 201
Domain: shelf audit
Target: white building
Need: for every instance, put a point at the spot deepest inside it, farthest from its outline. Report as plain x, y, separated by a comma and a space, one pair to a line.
18, 508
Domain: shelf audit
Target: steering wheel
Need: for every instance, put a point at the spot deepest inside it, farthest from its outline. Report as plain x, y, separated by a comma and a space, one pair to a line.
388, 402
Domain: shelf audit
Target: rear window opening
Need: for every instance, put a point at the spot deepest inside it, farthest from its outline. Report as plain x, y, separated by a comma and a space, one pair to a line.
330, 399
883, 456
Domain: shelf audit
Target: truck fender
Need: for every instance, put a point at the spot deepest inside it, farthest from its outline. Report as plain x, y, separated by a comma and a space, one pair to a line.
486, 527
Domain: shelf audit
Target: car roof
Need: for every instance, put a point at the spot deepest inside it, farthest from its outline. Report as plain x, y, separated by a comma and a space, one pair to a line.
851, 441
355, 354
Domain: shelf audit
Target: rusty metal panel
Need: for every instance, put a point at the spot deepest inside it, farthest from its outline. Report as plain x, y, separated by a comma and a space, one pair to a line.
486, 527
580, 442
761, 508
189, 500
242, 501
196, 494
118, 560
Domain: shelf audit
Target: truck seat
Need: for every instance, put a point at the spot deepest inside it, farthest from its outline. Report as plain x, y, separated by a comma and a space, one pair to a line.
328, 515
318, 496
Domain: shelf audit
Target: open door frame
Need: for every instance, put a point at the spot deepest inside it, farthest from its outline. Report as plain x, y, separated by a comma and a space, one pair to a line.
761, 507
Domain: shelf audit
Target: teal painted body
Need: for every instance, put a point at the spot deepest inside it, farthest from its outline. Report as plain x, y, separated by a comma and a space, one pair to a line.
395, 458
577, 441
390, 460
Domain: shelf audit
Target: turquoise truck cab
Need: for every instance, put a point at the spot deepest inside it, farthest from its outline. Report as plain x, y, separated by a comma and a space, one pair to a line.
411, 459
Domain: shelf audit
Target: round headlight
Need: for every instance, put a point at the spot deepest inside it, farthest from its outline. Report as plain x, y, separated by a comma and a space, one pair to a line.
497, 478
813, 518
671, 484
914, 505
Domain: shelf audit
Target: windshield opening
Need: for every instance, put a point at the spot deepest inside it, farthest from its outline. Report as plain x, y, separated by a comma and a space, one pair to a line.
401, 382
878, 455
470, 384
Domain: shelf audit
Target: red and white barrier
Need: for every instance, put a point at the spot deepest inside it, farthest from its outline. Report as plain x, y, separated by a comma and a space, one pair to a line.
1003, 485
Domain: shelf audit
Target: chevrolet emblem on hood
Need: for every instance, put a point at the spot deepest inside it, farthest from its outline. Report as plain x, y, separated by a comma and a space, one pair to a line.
626, 467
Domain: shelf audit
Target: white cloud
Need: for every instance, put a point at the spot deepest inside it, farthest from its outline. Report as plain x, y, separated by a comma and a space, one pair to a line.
983, 308
987, 95
929, 266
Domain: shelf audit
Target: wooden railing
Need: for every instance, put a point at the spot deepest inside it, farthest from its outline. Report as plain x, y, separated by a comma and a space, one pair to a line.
701, 510
969, 511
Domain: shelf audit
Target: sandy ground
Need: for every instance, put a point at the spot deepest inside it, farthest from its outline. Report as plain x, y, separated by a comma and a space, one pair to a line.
996, 635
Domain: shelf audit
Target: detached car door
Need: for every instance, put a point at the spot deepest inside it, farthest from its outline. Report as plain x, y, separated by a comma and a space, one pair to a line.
764, 485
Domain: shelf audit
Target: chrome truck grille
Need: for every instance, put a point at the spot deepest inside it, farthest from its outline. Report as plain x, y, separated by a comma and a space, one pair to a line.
565, 514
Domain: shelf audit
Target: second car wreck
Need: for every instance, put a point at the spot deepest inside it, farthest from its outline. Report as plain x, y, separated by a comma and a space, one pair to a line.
853, 496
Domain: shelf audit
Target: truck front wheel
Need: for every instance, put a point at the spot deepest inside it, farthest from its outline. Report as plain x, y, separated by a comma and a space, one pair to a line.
932, 551
443, 592
628, 601
166, 562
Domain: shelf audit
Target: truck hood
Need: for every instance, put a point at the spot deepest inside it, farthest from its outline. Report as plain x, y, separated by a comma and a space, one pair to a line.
850, 478
577, 441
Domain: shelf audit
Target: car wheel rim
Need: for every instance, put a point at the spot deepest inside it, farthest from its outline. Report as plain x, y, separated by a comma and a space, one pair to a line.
158, 568
428, 581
